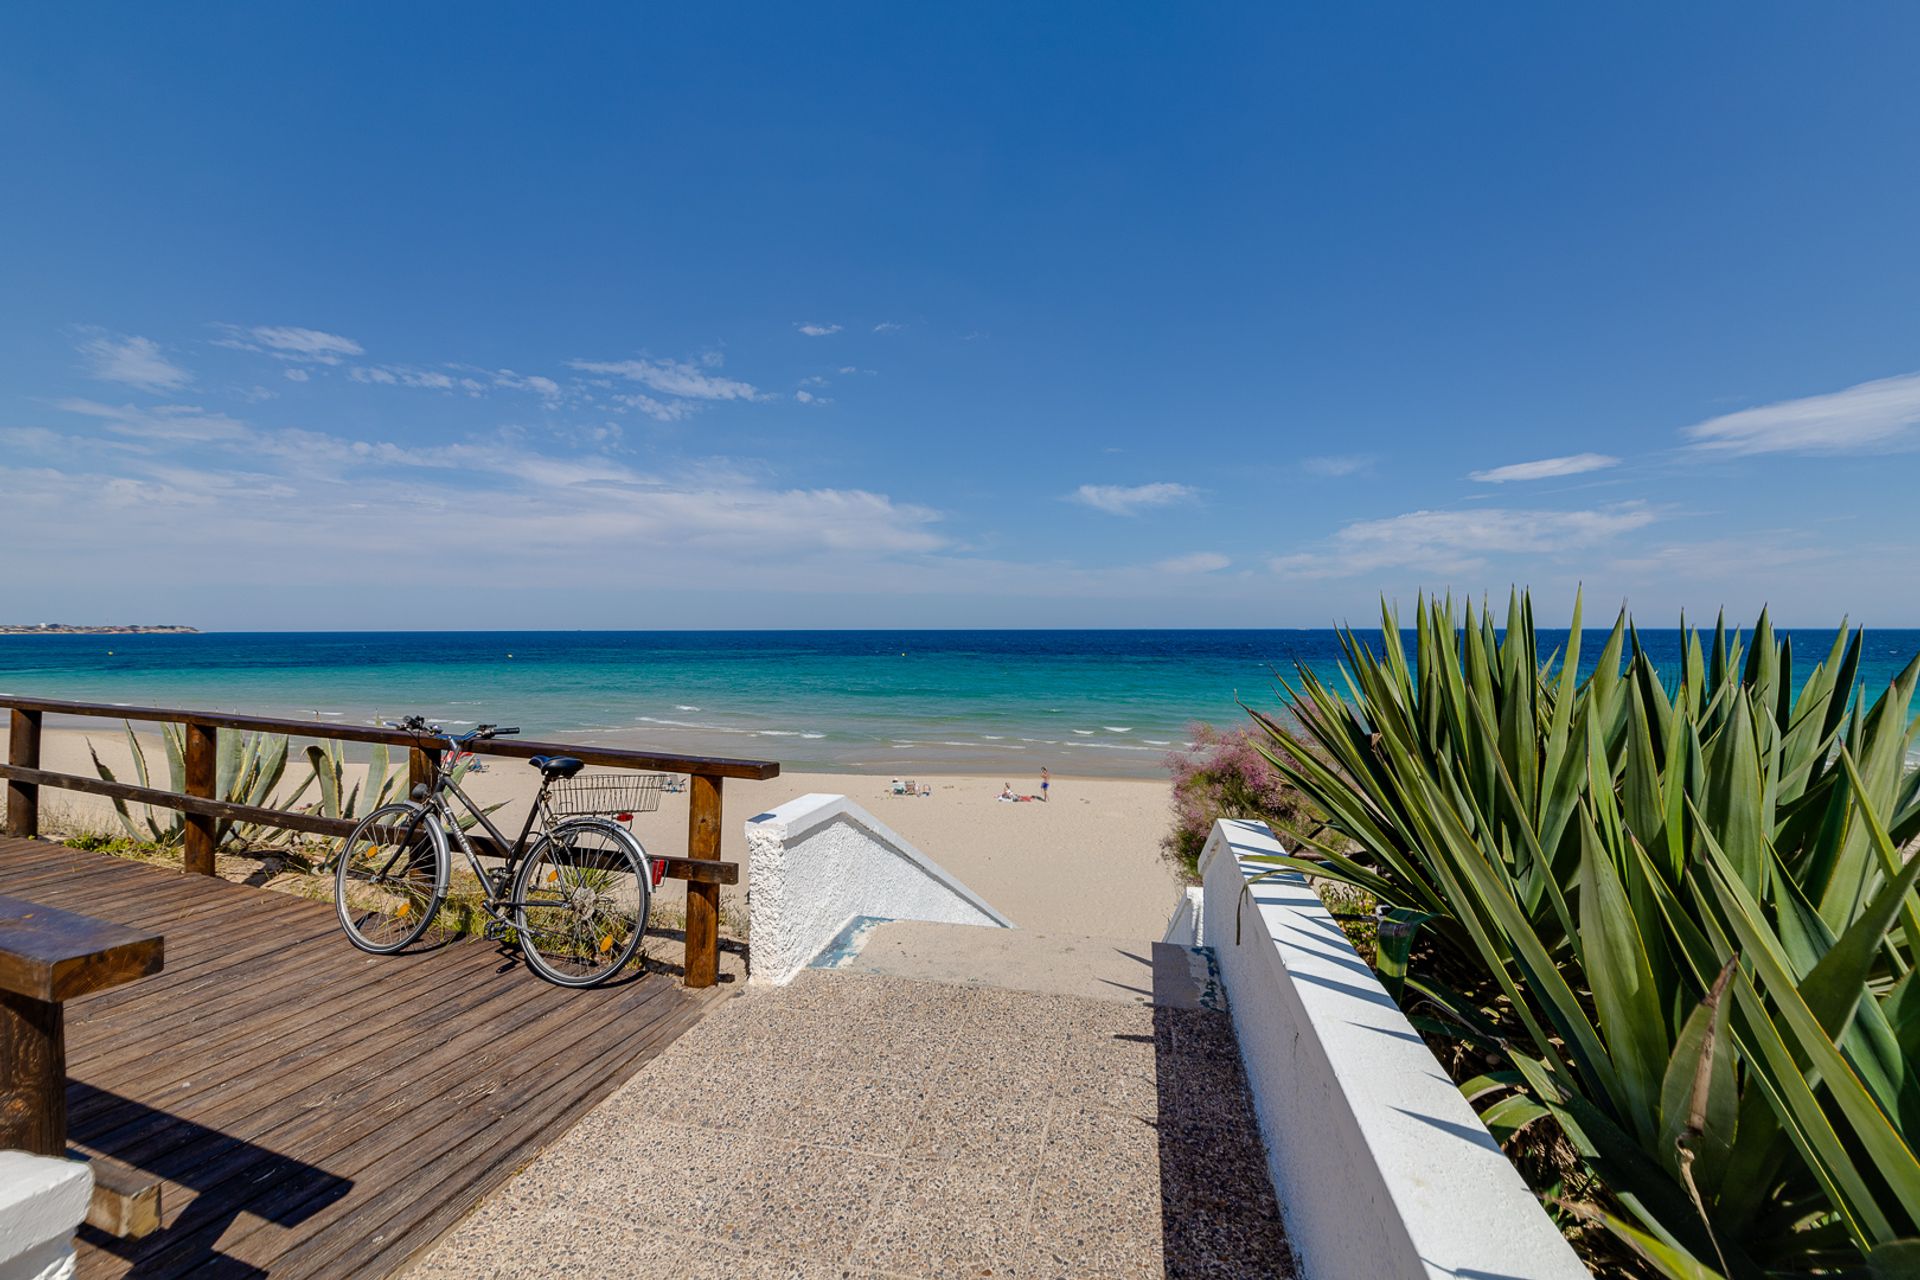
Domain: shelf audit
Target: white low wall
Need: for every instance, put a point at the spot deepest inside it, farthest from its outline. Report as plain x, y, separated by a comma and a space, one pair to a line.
1183, 926
42, 1203
1382, 1170
820, 861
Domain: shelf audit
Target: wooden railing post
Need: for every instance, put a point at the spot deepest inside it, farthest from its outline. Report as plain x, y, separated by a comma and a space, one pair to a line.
703, 900
419, 769
23, 798
202, 767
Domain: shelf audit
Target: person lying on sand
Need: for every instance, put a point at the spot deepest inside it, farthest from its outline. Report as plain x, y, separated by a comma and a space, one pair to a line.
1006, 791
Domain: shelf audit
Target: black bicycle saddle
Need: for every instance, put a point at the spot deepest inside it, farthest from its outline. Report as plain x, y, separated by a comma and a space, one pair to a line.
557, 766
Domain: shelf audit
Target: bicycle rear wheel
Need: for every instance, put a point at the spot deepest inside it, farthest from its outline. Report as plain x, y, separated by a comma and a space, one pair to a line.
581, 900
390, 879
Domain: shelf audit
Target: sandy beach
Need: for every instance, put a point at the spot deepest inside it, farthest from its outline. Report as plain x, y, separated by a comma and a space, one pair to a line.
1087, 861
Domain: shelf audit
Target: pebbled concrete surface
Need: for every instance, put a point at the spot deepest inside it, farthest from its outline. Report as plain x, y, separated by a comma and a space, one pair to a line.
1033, 960
869, 1125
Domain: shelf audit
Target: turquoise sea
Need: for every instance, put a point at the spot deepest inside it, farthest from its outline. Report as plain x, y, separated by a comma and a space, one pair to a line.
1079, 702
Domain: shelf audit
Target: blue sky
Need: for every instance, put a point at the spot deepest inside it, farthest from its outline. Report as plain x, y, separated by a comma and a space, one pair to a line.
960, 316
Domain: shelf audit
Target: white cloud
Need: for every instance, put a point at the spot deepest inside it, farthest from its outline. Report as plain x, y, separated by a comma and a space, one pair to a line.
818, 330
1572, 464
525, 517
1128, 500
658, 410
168, 423
888, 326
395, 375
1197, 562
1872, 415
290, 342
1333, 466
674, 378
1459, 541
32, 439
546, 388
134, 361
296, 375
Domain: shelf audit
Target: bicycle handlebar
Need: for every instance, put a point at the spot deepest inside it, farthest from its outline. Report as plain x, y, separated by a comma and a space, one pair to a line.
419, 724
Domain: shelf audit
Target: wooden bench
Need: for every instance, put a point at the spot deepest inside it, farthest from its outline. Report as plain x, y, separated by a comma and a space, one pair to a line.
47, 957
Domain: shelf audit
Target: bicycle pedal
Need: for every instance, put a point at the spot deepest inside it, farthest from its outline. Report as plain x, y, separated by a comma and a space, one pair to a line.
497, 932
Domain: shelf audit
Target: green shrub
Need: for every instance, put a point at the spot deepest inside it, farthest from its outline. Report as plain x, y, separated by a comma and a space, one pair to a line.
1678, 910
1223, 774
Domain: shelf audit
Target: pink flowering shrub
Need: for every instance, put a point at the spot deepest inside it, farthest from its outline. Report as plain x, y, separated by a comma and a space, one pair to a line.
1223, 776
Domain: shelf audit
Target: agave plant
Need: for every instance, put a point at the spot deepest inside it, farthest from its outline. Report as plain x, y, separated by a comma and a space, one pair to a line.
248, 767
340, 798
1679, 908
384, 782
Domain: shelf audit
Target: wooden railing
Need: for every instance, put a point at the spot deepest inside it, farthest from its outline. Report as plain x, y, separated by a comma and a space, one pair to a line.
701, 868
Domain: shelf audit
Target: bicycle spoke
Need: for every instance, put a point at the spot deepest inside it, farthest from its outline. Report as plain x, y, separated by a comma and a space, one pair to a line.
387, 883
584, 898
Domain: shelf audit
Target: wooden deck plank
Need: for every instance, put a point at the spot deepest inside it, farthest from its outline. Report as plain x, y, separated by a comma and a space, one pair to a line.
380, 1150
315, 1111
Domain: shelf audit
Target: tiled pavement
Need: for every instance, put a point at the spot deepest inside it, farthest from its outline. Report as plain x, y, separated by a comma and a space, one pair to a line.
865, 1125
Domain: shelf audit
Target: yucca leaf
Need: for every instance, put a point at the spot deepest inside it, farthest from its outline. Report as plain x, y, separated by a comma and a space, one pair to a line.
1491, 1082
1699, 1095
373, 792
173, 738
1642, 798
1894, 1260
1733, 794
1882, 845
1670, 1261
1839, 982
1617, 971
134, 750
1771, 1067
328, 777
119, 805
1892, 1160
1510, 1115
1634, 1178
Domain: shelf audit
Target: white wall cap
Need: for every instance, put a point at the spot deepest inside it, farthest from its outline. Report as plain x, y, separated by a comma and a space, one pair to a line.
795, 819
42, 1199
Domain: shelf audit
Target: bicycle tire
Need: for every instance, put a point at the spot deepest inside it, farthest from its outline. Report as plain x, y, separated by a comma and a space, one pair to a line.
380, 911
589, 884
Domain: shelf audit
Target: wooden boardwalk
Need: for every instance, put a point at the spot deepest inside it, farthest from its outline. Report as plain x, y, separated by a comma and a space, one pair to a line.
316, 1111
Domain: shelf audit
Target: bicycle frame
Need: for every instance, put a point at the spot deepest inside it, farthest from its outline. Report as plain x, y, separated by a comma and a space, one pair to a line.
437, 802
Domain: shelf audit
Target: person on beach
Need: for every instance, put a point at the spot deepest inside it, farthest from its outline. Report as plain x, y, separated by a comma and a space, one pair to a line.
1006, 791
1046, 780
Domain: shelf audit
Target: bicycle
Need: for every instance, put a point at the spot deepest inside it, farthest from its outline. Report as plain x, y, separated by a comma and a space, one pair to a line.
576, 899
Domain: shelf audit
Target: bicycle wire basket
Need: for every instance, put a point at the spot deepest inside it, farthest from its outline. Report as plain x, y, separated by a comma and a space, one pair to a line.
613, 795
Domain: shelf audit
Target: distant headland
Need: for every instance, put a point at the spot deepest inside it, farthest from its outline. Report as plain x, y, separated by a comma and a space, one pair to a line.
73, 629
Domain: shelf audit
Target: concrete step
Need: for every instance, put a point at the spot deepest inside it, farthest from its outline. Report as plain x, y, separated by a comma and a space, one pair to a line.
1155, 973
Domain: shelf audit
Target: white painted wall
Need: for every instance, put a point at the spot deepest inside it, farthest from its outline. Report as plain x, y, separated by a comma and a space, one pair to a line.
42, 1203
1382, 1170
1183, 926
815, 863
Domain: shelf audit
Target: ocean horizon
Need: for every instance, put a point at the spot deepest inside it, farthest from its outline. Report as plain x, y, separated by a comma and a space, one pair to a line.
1094, 702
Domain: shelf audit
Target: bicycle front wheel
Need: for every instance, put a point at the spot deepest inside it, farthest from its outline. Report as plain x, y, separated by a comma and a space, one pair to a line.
580, 902
390, 879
